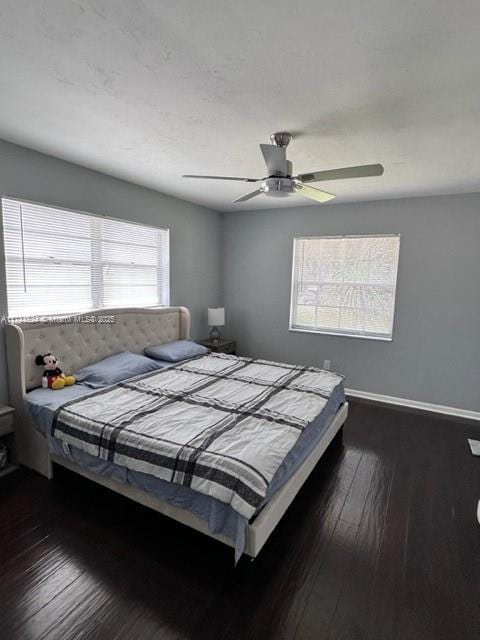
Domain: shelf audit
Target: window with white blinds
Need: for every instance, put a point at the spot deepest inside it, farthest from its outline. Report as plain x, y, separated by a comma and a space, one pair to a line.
345, 285
59, 261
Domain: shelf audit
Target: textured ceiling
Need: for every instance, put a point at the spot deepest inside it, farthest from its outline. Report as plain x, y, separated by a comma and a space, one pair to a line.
147, 90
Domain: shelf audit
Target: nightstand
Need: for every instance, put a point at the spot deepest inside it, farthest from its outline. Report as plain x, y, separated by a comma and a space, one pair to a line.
224, 345
7, 437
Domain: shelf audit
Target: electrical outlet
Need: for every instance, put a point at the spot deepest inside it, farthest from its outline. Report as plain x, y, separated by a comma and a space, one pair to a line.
326, 365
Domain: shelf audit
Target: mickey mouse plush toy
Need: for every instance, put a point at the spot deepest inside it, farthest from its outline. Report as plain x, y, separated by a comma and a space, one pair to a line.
53, 377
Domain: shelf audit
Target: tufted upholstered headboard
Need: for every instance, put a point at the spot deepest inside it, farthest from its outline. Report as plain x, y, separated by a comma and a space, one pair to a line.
80, 340
89, 337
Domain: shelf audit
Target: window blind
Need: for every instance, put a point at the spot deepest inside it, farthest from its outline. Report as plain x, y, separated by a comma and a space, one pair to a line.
60, 261
345, 285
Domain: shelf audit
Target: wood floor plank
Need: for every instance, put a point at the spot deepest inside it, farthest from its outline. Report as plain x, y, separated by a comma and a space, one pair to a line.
354, 602
33, 587
337, 567
320, 547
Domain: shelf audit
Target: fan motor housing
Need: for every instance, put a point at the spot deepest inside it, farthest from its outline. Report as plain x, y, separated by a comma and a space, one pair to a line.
278, 187
281, 138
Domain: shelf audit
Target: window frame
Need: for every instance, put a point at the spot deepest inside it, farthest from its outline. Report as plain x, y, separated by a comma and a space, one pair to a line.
342, 333
90, 214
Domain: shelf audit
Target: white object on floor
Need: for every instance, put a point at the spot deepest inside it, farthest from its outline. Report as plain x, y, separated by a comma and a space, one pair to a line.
478, 512
474, 446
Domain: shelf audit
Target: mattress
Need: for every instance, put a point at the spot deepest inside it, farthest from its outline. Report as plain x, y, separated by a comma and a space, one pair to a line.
43, 405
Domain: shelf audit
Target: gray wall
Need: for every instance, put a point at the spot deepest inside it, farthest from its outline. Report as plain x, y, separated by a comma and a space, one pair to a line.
435, 353
194, 230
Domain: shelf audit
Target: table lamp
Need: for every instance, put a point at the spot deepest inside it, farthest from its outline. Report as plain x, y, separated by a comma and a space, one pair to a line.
216, 318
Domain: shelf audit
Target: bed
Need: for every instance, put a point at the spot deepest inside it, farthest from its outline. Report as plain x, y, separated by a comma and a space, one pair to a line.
44, 427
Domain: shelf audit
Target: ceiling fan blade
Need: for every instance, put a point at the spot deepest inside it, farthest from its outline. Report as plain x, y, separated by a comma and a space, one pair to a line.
314, 194
253, 194
362, 171
222, 178
275, 159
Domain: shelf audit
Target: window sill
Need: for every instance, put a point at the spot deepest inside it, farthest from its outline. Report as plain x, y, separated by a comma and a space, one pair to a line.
341, 335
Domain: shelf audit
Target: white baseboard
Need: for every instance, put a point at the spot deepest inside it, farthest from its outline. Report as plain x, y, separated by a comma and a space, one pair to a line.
415, 404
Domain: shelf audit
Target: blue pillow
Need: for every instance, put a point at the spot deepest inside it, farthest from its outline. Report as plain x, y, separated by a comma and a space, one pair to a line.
175, 351
116, 368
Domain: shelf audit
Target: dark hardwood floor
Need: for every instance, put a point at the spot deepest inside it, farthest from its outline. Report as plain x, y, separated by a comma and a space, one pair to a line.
381, 543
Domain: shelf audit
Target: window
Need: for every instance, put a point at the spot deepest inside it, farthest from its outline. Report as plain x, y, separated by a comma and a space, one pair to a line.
59, 261
345, 285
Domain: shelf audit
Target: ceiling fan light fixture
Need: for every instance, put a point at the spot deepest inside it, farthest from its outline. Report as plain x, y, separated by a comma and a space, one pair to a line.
278, 187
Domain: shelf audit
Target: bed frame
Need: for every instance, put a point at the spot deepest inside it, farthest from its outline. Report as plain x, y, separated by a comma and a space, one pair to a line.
83, 339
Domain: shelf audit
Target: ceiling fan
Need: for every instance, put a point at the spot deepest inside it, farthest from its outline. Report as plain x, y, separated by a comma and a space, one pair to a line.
280, 183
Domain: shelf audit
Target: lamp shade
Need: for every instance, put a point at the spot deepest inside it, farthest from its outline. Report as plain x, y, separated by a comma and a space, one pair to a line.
216, 316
